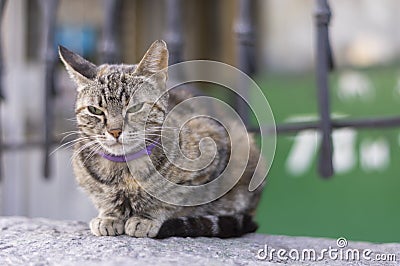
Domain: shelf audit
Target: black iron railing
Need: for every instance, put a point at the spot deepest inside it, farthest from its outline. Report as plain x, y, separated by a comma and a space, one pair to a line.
49, 11
2, 5
244, 31
109, 44
174, 31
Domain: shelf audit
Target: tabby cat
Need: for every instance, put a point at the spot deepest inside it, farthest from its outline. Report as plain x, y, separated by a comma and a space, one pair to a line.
119, 151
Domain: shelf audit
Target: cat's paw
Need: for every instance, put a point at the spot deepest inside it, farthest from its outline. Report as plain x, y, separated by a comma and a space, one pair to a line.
142, 227
107, 226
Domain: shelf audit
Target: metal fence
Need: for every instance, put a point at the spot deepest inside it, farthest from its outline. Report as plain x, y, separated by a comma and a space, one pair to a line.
244, 31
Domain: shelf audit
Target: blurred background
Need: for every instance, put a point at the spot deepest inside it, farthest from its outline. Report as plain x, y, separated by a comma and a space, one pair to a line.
360, 202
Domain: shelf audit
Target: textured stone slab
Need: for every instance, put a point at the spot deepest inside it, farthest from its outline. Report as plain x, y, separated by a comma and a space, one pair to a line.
27, 241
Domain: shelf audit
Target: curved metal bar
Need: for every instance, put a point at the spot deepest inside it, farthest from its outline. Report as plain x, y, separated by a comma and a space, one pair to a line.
245, 37
173, 33
49, 11
243, 29
2, 6
324, 64
109, 45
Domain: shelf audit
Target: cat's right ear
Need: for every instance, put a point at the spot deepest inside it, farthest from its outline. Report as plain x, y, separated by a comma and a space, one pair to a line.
80, 70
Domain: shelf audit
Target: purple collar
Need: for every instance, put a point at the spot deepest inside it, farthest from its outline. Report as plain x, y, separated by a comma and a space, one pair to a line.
128, 157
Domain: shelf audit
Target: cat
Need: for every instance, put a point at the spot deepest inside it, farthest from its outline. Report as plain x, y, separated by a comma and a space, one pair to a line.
115, 160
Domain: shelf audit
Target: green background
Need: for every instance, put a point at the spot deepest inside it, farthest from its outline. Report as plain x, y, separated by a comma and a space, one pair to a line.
357, 205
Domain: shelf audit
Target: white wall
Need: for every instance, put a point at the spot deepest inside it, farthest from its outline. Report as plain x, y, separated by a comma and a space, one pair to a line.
363, 32
24, 191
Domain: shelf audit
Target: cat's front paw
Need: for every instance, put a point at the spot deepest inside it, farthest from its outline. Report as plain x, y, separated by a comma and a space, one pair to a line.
142, 227
107, 226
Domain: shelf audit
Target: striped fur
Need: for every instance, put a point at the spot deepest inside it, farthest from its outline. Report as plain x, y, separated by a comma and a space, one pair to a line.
124, 205
208, 226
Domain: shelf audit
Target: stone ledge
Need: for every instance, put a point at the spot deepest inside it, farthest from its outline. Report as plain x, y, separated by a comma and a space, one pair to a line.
46, 242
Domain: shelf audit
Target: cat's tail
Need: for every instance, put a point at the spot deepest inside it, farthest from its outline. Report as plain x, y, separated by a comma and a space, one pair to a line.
208, 226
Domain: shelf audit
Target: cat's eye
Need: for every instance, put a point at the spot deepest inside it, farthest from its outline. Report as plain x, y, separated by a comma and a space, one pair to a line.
135, 108
95, 111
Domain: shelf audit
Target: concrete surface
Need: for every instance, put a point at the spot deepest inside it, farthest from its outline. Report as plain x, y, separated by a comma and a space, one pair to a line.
25, 241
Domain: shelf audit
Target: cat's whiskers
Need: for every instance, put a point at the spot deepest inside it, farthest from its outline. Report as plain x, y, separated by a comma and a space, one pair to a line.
153, 130
67, 132
95, 149
73, 119
156, 143
88, 144
159, 136
85, 146
69, 144
166, 131
70, 134
163, 127
150, 134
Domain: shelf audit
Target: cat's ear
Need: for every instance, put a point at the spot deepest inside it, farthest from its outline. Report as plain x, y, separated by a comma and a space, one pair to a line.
155, 60
81, 71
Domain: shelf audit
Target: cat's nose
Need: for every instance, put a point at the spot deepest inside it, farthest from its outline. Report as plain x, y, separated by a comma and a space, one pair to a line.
116, 132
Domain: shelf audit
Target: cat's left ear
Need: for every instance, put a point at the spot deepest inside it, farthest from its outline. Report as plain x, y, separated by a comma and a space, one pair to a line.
155, 61
80, 70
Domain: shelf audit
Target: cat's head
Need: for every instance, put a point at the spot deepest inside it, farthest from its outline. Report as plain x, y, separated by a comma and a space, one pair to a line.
117, 104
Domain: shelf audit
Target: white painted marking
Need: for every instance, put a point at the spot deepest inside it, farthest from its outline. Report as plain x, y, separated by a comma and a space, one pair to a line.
344, 155
302, 152
374, 155
354, 85
396, 89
